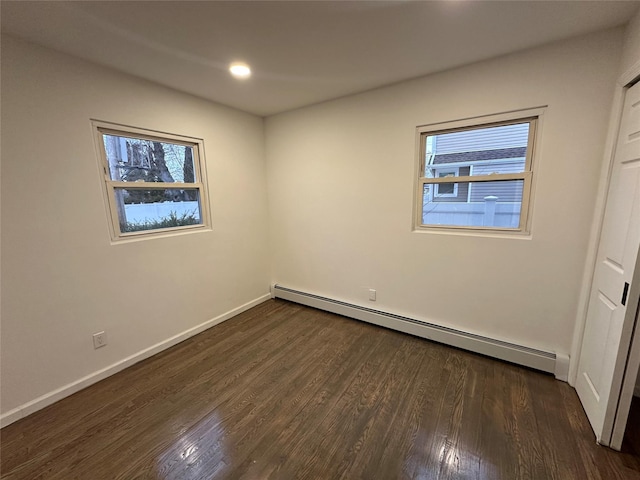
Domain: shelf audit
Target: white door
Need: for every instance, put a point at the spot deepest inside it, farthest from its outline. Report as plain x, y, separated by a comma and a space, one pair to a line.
608, 328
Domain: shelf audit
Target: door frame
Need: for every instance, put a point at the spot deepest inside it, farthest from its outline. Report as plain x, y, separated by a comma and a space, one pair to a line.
626, 361
618, 413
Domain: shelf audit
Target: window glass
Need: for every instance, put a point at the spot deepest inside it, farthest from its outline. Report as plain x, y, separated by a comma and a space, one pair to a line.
491, 150
157, 208
141, 160
484, 211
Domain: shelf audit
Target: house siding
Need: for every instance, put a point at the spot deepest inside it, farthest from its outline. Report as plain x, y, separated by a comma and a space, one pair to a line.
492, 138
509, 191
516, 166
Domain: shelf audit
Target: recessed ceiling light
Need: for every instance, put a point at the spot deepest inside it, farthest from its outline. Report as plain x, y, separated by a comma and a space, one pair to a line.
240, 70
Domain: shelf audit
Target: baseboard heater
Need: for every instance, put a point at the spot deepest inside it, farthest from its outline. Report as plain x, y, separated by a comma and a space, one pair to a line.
557, 364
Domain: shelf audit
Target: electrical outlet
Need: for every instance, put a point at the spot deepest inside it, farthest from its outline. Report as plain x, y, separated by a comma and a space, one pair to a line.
372, 295
99, 339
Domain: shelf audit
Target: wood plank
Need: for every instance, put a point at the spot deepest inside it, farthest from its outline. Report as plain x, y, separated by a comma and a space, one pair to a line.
284, 391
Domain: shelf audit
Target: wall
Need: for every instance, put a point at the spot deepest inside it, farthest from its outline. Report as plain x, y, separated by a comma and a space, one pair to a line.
341, 185
631, 48
62, 278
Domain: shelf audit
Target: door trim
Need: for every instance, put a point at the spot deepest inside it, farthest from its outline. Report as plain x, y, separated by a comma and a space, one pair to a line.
616, 421
615, 120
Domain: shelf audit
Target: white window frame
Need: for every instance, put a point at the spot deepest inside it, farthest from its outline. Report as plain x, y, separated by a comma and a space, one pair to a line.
110, 186
532, 116
456, 173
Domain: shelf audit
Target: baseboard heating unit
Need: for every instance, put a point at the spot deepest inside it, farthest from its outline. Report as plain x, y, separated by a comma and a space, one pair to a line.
550, 362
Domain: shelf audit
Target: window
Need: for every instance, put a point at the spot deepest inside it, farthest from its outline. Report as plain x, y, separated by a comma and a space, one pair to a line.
491, 162
154, 183
446, 189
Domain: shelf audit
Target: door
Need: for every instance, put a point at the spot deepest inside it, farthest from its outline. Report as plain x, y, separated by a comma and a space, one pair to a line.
609, 326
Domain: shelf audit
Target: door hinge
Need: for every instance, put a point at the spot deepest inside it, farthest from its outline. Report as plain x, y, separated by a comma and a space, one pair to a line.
624, 293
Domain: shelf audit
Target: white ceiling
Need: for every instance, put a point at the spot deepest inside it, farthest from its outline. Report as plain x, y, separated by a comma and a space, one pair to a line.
301, 52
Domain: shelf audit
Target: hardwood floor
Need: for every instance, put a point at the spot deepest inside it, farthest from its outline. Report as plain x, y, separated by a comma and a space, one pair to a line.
284, 391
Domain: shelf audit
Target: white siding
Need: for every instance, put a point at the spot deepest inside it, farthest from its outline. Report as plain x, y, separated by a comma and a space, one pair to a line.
509, 191
489, 168
492, 138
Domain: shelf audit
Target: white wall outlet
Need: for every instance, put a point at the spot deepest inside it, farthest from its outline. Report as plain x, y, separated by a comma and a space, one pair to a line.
372, 295
99, 339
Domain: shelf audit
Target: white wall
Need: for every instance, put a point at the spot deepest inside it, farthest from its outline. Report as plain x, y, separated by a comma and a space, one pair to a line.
62, 279
341, 183
631, 48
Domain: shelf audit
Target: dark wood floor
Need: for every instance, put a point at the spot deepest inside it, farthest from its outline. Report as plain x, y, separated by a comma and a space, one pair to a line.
284, 391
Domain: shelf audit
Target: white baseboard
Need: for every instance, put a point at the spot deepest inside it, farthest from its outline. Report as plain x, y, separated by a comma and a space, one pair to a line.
550, 362
73, 387
561, 371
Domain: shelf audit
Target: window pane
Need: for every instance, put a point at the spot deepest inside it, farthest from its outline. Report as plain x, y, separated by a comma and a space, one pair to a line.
135, 159
475, 204
478, 151
445, 189
151, 209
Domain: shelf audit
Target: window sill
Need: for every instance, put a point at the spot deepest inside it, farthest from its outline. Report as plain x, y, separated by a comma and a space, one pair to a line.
173, 232
474, 232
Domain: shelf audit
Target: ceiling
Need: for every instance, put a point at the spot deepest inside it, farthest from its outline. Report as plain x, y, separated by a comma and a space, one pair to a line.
301, 52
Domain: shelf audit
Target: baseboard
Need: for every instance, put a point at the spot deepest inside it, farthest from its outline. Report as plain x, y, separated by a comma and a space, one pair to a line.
561, 371
549, 362
73, 387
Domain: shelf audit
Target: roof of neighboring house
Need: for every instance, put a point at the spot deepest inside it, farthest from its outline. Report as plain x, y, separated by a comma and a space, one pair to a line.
469, 157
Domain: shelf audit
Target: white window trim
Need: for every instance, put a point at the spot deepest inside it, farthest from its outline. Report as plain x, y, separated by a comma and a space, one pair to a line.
109, 186
534, 116
446, 169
